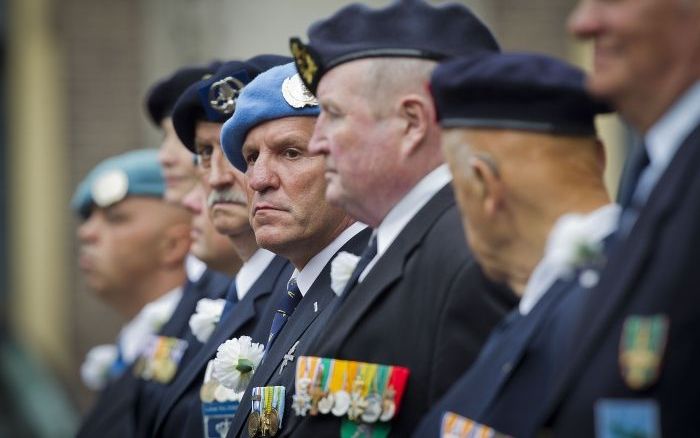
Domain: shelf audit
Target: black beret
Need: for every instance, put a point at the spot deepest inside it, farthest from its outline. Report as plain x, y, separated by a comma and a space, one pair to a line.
213, 99
407, 28
161, 97
518, 91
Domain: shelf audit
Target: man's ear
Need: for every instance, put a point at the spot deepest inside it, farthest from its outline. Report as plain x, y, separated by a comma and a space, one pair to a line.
488, 184
175, 244
417, 113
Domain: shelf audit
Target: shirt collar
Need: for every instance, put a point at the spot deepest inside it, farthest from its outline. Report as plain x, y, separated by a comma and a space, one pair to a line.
194, 268
134, 335
251, 271
307, 276
397, 218
597, 225
665, 137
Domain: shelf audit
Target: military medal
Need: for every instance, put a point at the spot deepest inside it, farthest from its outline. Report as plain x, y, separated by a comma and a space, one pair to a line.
267, 411
642, 346
325, 404
160, 358
365, 406
456, 426
388, 405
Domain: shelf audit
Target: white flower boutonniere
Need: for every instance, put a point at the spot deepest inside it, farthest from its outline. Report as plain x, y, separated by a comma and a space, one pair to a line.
236, 361
95, 369
573, 247
341, 270
207, 315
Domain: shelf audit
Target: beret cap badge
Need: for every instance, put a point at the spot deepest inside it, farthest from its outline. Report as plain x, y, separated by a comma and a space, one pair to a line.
296, 94
306, 63
223, 94
110, 188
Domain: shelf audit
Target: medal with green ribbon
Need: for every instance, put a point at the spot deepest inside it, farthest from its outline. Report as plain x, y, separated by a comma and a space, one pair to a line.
641, 348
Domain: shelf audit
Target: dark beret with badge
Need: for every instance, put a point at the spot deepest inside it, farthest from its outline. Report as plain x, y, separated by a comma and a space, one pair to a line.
407, 29
213, 99
518, 91
161, 97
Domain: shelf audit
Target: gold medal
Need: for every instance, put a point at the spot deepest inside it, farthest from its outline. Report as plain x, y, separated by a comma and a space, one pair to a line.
253, 424
270, 423
165, 371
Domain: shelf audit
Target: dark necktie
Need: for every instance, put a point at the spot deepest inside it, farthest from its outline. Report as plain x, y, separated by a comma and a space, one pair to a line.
231, 299
367, 255
630, 200
286, 305
638, 162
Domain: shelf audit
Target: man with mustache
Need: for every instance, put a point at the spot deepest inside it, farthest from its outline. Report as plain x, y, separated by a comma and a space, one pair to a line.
417, 298
267, 138
133, 247
198, 117
634, 368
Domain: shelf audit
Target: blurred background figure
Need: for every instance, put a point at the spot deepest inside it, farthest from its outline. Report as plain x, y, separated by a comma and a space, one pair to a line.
73, 75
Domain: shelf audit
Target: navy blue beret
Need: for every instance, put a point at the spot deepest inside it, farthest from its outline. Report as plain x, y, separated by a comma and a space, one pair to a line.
406, 28
161, 97
214, 99
275, 94
518, 91
135, 173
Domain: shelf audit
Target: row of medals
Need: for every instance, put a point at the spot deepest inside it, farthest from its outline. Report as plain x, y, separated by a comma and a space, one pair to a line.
265, 424
370, 409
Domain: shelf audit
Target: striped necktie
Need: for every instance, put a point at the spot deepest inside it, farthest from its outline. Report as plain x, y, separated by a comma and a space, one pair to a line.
286, 305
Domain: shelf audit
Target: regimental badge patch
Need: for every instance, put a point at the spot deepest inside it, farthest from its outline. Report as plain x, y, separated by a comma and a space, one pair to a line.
642, 346
627, 418
160, 359
456, 426
367, 396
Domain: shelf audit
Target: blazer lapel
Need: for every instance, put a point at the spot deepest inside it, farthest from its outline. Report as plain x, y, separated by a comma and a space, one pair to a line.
240, 315
387, 270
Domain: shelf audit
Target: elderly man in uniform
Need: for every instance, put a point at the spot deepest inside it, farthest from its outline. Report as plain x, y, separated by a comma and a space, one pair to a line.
520, 139
268, 138
634, 370
417, 309
132, 250
198, 116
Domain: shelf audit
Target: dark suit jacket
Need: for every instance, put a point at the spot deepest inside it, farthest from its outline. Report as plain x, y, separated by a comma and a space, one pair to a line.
114, 412
652, 272
513, 371
150, 393
424, 305
271, 373
250, 317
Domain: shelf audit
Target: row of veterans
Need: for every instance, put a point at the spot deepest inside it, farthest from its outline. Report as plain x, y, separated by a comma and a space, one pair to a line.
402, 231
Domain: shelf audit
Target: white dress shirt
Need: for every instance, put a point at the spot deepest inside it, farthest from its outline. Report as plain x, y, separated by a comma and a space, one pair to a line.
404, 210
251, 271
306, 277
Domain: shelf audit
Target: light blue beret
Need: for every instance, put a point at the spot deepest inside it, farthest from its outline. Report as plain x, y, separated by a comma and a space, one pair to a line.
135, 173
274, 94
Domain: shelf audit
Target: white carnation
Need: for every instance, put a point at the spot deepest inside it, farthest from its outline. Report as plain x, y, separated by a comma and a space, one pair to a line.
342, 268
572, 244
236, 361
95, 369
207, 315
